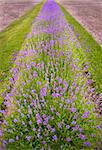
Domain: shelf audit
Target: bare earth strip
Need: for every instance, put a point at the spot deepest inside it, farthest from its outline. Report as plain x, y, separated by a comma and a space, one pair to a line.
88, 13
12, 9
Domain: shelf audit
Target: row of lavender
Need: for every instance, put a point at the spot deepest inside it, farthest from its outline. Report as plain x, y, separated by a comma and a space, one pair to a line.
48, 105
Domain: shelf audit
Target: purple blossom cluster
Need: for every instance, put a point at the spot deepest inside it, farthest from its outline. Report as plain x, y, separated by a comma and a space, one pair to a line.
48, 103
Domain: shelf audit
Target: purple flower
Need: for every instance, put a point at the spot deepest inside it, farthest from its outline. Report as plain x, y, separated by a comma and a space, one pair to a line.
67, 126
75, 116
77, 89
85, 115
1, 133
28, 138
4, 143
44, 115
45, 123
23, 123
43, 92
80, 129
98, 127
15, 120
5, 122
56, 89
53, 130
59, 125
25, 101
59, 80
28, 115
74, 129
52, 109
87, 50
34, 129
11, 140
73, 109
28, 66
17, 138
62, 99
57, 113
68, 101
92, 90
11, 80
87, 144
19, 110
88, 103
65, 84
54, 137
43, 142
35, 74
68, 139
38, 115
54, 95
30, 122
89, 81
26, 129
49, 127
39, 121
82, 137
73, 122
61, 53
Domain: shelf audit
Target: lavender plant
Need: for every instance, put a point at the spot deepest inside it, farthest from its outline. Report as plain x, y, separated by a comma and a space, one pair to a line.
48, 105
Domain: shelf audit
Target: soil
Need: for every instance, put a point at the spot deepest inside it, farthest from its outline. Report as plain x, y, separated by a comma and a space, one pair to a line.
12, 9
88, 13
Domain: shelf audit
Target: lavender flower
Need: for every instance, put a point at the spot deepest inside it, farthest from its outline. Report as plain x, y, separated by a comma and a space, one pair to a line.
59, 125
73, 122
54, 138
43, 142
34, 129
15, 120
68, 139
30, 122
82, 137
35, 74
73, 109
17, 138
53, 130
87, 144
43, 92
1, 133
67, 126
11, 140
28, 138
52, 109
85, 115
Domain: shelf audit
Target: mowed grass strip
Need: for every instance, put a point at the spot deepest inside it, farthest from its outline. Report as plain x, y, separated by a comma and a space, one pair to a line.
11, 40
92, 48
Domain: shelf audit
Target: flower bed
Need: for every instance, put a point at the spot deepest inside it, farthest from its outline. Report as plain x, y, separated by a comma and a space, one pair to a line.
47, 102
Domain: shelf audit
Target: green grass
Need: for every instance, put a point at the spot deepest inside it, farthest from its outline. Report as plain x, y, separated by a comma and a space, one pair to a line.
94, 57
11, 40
